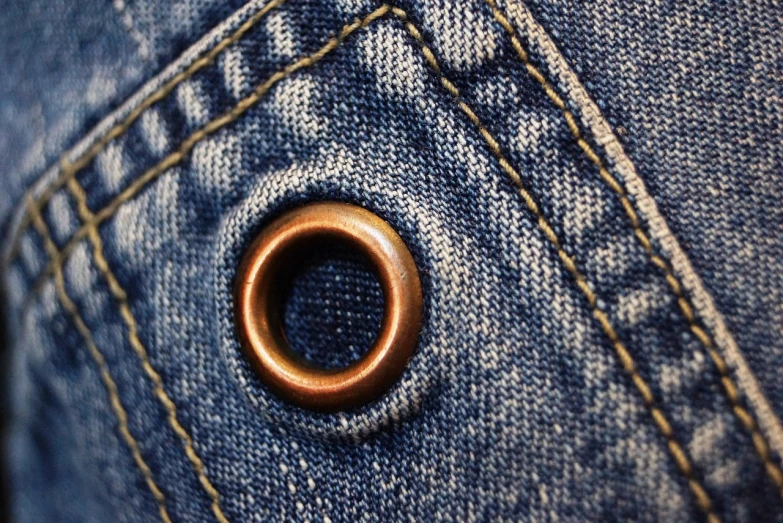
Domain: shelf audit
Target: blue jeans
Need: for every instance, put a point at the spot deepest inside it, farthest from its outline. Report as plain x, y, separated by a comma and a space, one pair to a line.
592, 194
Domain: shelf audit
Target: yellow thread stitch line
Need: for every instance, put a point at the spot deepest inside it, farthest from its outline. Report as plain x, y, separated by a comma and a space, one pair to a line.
118, 130
675, 449
130, 321
685, 306
177, 156
678, 453
100, 361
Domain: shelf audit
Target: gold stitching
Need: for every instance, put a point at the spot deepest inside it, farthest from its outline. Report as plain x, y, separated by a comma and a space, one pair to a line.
92, 221
118, 130
100, 361
624, 356
130, 321
659, 418
174, 158
685, 306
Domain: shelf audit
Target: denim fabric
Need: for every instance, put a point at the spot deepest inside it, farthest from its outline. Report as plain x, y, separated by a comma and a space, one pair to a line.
576, 360
705, 126
333, 307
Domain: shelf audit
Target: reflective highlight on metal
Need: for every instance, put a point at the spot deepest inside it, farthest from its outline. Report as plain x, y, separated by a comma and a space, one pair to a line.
260, 288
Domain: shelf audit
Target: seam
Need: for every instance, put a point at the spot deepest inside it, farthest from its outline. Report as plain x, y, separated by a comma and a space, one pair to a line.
678, 453
121, 128
121, 297
685, 306
108, 382
606, 142
210, 128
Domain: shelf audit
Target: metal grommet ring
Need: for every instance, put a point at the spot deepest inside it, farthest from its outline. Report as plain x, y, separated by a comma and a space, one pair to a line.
261, 282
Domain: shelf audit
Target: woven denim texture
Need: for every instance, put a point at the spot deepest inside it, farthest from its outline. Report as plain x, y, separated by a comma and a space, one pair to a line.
333, 307
559, 374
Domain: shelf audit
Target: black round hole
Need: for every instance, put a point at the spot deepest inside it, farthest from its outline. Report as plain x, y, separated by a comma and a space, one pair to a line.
333, 305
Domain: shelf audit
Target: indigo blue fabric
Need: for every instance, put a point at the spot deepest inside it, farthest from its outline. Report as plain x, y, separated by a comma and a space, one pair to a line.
333, 307
591, 194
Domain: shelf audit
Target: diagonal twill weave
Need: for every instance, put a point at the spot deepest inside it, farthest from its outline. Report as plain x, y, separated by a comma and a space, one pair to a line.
130, 321
97, 356
93, 220
683, 302
69, 170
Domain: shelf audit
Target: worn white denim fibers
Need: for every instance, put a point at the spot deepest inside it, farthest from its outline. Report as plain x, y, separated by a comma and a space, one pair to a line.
576, 361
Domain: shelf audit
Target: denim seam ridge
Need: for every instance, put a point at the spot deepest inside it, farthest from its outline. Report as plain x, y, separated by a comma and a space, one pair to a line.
728, 386
108, 381
121, 297
121, 128
213, 126
596, 125
678, 453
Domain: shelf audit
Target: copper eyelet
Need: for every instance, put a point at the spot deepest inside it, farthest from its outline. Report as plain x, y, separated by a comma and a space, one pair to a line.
260, 283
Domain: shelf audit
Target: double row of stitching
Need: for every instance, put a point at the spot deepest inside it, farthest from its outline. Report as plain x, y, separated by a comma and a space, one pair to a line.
210, 128
626, 360
68, 172
121, 297
683, 302
97, 356
69, 169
